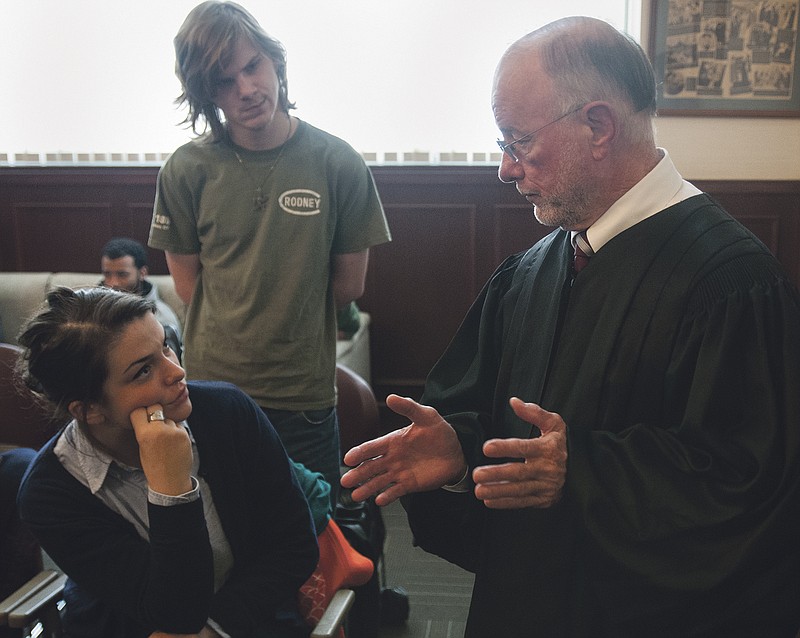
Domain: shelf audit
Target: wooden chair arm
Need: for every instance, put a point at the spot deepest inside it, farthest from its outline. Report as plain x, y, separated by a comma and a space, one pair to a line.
45, 589
335, 614
23, 593
28, 602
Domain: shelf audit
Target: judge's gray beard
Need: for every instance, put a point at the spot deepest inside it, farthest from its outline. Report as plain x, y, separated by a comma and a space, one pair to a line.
568, 213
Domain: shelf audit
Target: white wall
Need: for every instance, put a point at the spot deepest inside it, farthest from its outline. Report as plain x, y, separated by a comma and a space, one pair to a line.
732, 148
96, 76
382, 91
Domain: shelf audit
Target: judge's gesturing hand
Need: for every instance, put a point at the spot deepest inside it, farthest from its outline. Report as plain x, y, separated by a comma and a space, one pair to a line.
165, 451
422, 456
536, 481
427, 455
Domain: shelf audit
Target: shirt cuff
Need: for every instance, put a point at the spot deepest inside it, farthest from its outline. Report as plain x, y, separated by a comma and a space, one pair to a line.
464, 484
156, 498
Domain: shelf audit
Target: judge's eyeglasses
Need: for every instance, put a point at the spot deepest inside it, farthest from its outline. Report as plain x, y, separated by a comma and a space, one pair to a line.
508, 149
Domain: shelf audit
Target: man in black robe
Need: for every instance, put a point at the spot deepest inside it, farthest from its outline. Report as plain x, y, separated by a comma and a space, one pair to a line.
615, 451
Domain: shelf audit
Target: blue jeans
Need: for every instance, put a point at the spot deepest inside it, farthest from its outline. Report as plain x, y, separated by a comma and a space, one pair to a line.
311, 437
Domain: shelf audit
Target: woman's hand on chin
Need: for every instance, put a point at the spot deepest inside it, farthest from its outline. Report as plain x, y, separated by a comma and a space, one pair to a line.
165, 451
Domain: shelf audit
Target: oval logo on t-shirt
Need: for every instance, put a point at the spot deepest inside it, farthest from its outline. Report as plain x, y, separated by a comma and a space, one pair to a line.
300, 201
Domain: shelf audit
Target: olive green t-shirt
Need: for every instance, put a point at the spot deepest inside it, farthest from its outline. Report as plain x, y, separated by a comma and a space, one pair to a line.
262, 314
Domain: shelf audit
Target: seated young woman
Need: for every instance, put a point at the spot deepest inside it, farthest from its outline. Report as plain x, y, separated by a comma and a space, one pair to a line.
171, 505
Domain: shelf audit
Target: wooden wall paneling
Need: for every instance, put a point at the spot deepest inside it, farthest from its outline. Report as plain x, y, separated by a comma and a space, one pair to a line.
420, 286
42, 230
516, 229
127, 193
451, 226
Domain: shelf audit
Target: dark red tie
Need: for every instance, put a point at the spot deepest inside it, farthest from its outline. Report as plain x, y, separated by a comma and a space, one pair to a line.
583, 250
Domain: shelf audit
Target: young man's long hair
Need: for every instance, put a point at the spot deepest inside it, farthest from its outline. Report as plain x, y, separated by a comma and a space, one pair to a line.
204, 46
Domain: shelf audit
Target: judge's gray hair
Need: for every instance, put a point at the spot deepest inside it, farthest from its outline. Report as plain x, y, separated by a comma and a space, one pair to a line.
588, 60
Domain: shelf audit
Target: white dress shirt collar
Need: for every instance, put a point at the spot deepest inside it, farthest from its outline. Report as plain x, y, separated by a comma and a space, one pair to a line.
661, 188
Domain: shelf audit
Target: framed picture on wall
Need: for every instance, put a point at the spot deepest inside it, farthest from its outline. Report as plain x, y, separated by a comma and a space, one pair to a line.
726, 57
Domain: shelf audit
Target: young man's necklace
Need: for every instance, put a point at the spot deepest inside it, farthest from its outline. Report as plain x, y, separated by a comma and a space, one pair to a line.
259, 198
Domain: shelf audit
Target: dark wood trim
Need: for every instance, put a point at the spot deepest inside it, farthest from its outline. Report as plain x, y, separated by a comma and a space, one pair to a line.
451, 226
74, 175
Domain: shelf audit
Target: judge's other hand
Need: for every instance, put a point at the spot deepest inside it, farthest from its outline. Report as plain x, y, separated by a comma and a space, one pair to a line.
421, 456
165, 452
538, 480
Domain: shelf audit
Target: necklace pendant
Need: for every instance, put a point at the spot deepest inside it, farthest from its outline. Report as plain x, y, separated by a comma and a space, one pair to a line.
259, 199
260, 202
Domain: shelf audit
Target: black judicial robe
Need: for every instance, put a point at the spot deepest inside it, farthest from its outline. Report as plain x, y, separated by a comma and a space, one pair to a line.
674, 359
